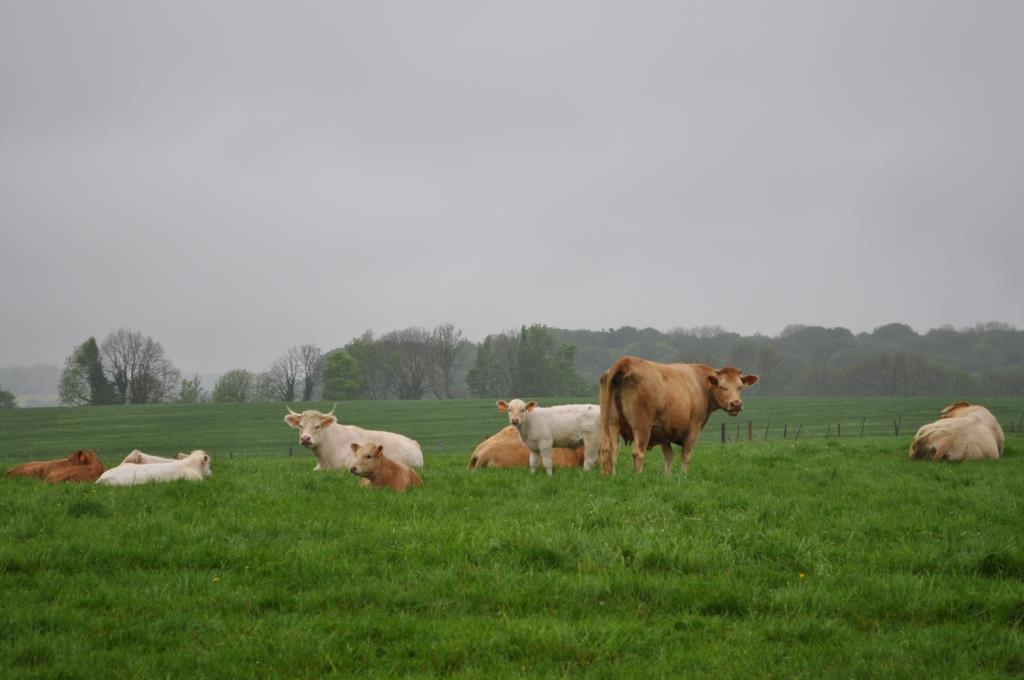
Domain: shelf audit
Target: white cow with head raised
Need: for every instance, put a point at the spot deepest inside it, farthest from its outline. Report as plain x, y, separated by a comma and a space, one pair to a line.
331, 442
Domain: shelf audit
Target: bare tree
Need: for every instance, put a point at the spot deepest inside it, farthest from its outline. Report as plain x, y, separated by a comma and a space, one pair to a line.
283, 375
310, 356
445, 341
411, 351
138, 368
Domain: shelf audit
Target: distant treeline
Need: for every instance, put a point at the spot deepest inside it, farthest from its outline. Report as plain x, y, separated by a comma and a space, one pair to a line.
891, 361
536, 361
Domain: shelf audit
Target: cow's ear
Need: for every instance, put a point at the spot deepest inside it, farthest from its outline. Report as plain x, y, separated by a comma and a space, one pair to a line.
328, 420
80, 456
749, 379
712, 380
502, 406
355, 447
378, 450
206, 459
293, 419
531, 405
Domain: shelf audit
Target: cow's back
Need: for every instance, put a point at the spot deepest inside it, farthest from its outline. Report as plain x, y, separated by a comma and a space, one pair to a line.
955, 439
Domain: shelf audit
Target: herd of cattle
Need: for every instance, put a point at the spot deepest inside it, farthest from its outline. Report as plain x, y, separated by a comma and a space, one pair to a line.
641, 402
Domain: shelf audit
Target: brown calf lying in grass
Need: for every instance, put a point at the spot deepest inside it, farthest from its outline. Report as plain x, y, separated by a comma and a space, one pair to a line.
376, 469
505, 449
80, 466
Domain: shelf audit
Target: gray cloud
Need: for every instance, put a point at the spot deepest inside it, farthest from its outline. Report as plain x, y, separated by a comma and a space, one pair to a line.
239, 178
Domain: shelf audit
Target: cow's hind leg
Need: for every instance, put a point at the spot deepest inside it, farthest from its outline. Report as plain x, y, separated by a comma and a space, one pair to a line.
666, 453
591, 449
640, 444
545, 452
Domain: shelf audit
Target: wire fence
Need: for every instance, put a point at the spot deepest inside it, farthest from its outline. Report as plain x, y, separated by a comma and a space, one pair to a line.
896, 426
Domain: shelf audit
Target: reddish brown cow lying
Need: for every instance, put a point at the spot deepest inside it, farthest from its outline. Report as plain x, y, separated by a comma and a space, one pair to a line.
650, 403
506, 449
80, 466
962, 432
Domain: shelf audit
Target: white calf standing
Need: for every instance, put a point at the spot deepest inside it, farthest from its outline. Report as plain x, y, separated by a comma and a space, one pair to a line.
543, 428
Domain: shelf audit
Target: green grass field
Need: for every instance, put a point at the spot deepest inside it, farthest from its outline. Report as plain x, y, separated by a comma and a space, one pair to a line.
810, 558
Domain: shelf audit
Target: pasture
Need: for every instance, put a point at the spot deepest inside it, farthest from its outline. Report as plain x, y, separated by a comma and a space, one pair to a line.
771, 559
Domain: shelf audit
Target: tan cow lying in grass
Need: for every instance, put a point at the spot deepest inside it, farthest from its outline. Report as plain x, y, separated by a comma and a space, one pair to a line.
962, 432
195, 467
505, 449
376, 469
80, 466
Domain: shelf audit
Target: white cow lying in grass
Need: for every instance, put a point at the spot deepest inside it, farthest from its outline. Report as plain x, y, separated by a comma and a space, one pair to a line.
137, 457
195, 466
544, 428
331, 442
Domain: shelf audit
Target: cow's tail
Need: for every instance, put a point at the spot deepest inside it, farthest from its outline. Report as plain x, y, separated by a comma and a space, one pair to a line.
611, 412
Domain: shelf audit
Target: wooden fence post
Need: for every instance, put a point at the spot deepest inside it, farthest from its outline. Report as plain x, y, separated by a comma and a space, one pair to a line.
750, 430
862, 421
766, 430
799, 427
839, 429
896, 424
785, 427
828, 431
737, 433
723, 433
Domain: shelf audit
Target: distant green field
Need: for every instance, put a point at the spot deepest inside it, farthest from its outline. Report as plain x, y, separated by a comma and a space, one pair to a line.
810, 558
440, 426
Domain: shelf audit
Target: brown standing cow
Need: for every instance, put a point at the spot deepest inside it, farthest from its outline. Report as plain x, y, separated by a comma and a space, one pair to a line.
80, 466
650, 403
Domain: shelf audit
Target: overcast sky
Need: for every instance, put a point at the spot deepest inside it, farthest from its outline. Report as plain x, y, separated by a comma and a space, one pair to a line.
237, 178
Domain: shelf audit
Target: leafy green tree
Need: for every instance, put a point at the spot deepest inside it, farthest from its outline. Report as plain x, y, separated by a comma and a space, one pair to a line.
483, 379
192, 391
84, 380
341, 377
7, 399
236, 386
542, 366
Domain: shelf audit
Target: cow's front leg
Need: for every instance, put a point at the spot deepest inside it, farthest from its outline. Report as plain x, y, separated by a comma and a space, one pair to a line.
688, 444
534, 459
545, 452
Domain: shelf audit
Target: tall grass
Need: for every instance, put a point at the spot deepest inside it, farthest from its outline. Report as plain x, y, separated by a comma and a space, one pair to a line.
835, 557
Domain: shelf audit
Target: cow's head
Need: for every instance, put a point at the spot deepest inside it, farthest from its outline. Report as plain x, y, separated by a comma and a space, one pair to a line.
200, 460
952, 411
87, 457
80, 457
311, 425
517, 410
365, 458
726, 384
